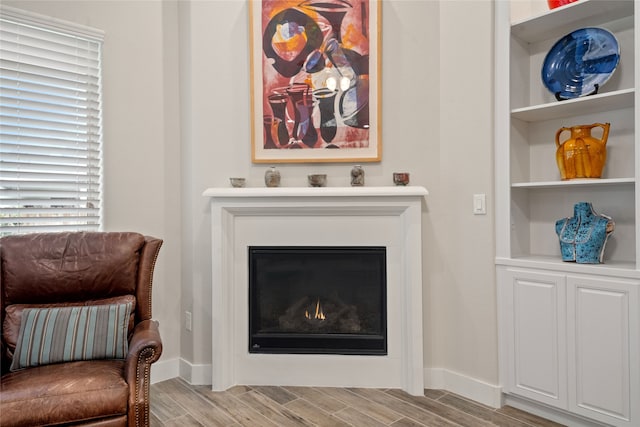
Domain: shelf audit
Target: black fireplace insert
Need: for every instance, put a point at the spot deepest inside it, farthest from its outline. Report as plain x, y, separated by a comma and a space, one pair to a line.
318, 300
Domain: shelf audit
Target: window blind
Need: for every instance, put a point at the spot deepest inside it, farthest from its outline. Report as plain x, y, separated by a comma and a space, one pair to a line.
50, 125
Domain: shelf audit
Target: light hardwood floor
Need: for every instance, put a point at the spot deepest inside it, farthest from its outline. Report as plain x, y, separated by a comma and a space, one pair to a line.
175, 403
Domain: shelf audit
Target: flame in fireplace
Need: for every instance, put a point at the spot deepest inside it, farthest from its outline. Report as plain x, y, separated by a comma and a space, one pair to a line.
319, 314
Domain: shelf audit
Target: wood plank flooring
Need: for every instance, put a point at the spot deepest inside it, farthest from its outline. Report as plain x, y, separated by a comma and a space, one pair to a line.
175, 403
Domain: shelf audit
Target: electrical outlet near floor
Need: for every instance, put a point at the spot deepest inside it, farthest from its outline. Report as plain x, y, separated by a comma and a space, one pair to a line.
187, 321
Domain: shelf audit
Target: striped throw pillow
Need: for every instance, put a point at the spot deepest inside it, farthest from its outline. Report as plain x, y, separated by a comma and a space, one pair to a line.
64, 334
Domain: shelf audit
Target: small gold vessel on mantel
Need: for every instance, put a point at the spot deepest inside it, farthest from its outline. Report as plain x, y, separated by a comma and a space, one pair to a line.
582, 155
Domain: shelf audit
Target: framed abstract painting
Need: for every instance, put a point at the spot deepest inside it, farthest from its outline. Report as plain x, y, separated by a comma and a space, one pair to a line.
315, 80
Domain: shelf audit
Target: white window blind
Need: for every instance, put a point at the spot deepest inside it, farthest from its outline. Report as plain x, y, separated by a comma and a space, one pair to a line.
50, 125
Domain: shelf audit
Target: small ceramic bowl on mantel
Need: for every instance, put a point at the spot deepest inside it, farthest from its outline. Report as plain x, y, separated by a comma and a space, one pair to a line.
317, 179
238, 182
401, 178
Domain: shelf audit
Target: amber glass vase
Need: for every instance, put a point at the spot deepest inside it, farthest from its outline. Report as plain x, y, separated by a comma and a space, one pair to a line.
581, 155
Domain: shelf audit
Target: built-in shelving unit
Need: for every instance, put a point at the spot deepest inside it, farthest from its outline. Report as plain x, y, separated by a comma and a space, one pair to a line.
528, 115
547, 306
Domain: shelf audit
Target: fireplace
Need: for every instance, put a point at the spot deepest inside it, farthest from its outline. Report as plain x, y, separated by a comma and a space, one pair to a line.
385, 217
317, 300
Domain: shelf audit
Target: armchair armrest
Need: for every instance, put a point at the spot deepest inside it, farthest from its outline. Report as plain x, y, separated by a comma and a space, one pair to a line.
145, 348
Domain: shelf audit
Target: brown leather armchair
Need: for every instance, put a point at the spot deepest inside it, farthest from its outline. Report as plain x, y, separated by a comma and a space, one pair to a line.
84, 269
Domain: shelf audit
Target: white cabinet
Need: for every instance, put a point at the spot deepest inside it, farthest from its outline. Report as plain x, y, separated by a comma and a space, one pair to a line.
534, 304
572, 342
568, 332
603, 335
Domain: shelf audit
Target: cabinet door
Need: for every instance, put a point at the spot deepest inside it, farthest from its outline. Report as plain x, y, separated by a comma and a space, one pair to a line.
535, 347
603, 338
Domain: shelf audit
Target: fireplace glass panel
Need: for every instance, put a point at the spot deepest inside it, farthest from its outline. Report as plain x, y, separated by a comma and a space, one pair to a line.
317, 300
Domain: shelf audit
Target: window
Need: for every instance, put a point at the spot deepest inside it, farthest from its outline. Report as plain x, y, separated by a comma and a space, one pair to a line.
50, 124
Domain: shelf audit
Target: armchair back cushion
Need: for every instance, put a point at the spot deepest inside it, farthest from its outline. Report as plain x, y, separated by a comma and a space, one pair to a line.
45, 268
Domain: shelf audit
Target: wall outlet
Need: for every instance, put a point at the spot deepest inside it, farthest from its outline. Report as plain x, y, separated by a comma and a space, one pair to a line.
187, 321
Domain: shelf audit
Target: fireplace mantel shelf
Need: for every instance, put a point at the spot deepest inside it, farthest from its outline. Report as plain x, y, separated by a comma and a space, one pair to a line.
260, 192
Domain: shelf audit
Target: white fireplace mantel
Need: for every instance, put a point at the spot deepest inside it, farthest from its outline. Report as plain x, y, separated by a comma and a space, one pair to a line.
349, 216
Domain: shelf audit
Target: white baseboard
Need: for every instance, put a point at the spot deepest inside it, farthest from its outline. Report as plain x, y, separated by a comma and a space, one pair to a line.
471, 388
164, 370
195, 374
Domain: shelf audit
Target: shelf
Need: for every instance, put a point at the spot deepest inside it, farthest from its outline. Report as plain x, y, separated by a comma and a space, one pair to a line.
608, 268
574, 107
574, 182
556, 22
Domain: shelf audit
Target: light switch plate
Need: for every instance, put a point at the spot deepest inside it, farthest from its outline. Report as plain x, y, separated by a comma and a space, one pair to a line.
479, 204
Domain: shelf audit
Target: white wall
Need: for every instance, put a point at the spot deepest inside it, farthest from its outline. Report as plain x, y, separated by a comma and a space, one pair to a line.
141, 132
461, 245
194, 134
437, 124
